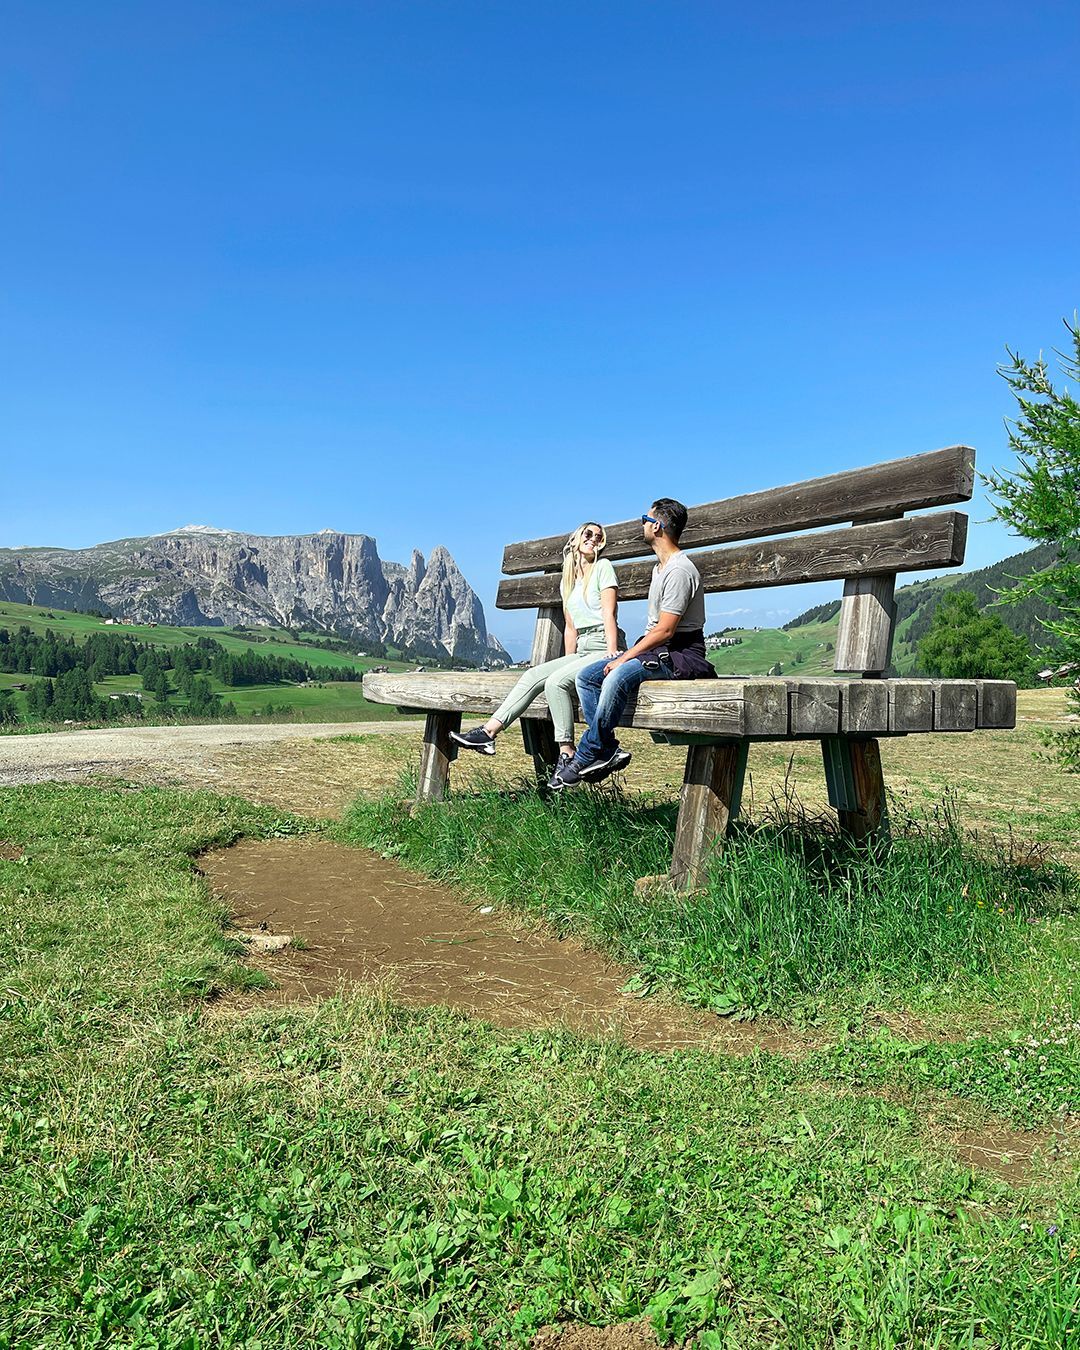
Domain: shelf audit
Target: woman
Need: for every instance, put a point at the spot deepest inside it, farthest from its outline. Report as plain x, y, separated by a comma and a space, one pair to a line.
589, 596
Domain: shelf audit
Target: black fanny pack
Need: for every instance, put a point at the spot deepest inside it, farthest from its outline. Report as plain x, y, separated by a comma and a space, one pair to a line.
683, 655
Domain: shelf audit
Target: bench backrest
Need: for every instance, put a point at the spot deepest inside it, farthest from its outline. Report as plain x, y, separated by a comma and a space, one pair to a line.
880, 542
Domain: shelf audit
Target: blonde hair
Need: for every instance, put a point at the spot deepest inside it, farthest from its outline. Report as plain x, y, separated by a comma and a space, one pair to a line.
574, 565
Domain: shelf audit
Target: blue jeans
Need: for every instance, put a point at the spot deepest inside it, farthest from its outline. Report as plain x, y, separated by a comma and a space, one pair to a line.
603, 701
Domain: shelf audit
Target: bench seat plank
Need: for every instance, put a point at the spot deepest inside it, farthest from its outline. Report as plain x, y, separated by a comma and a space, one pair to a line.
757, 708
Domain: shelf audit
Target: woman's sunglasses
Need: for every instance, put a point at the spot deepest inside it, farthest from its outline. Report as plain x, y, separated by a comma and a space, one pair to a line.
591, 534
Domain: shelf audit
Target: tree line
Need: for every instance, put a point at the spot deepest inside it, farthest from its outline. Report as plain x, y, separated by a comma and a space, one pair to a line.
66, 672
103, 654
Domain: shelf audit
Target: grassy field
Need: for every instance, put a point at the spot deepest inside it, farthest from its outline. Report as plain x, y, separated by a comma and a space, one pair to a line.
181, 1169
801, 652
354, 1174
319, 702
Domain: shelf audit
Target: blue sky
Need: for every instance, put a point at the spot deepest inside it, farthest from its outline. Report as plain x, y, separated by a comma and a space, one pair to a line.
464, 273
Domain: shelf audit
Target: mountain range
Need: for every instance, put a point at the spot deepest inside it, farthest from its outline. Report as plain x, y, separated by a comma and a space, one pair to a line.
199, 575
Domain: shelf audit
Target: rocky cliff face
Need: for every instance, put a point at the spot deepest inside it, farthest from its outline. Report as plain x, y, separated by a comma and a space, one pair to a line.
329, 581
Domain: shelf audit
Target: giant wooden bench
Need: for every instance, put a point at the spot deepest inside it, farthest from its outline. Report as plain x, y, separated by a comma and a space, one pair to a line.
718, 719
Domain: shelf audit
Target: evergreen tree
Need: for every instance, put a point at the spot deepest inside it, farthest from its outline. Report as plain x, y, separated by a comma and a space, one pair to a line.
1041, 500
965, 643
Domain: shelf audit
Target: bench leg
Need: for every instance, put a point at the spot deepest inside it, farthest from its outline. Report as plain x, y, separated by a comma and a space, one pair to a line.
708, 803
856, 785
437, 754
538, 735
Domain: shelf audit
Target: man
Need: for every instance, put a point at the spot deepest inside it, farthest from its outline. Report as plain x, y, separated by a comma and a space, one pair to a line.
673, 648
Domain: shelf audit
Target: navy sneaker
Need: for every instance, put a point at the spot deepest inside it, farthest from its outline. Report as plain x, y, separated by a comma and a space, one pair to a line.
566, 775
477, 740
605, 764
618, 761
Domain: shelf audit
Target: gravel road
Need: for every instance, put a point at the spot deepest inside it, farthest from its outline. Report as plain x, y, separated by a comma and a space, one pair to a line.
182, 753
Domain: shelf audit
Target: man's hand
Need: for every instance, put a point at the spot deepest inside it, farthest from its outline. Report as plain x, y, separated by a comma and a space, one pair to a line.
616, 661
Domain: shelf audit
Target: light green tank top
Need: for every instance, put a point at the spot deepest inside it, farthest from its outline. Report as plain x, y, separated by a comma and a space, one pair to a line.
584, 608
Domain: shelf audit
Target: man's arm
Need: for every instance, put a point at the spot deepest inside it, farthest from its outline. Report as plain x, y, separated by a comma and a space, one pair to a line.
659, 635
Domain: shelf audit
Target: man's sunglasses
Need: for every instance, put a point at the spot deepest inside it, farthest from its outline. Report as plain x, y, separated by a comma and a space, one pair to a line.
650, 520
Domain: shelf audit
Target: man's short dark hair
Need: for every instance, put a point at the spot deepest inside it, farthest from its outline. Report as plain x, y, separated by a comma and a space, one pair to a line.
673, 514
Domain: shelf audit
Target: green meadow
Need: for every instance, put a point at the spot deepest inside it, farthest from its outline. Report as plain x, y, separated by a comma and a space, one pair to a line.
317, 702
352, 1173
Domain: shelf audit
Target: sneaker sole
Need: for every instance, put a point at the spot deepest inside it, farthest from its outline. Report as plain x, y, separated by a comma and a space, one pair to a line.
610, 769
469, 745
605, 767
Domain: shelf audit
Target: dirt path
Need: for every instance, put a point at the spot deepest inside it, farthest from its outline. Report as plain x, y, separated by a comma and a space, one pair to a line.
191, 756
365, 919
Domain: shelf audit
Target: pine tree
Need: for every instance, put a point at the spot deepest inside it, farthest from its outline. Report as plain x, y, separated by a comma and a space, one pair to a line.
1041, 500
965, 643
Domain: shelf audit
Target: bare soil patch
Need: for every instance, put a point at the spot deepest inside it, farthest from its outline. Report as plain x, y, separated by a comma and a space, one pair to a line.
978, 1140
1007, 1153
10, 852
358, 918
574, 1336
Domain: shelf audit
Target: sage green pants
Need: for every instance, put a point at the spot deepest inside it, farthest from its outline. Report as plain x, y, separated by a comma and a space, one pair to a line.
556, 680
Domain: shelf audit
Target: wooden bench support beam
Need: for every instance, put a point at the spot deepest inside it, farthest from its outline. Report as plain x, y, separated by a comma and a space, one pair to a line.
708, 803
437, 753
538, 736
856, 785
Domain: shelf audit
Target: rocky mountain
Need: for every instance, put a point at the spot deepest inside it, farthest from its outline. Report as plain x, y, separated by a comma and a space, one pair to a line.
330, 582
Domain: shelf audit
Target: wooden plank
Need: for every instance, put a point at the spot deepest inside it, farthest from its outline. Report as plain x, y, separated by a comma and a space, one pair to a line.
955, 705
538, 734
938, 478
815, 707
867, 615
856, 785
758, 708
996, 702
436, 755
708, 803
864, 708
911, 706
766, 708
912, 544
549, 637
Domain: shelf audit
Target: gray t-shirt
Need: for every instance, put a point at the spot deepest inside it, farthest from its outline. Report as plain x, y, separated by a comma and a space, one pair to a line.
676, 589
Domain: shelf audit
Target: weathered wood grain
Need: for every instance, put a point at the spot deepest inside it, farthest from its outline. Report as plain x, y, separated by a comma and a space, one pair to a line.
907, 545
538, 734
864, 708
937, 478
436, 755
815, 707
996, 703
708, 803
911, 705
758, 708
856, 784
867, 614
956, 705
549, 636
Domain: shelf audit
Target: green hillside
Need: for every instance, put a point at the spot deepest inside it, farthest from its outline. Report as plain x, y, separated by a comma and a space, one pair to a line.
804, 651
309, 702
812, 635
